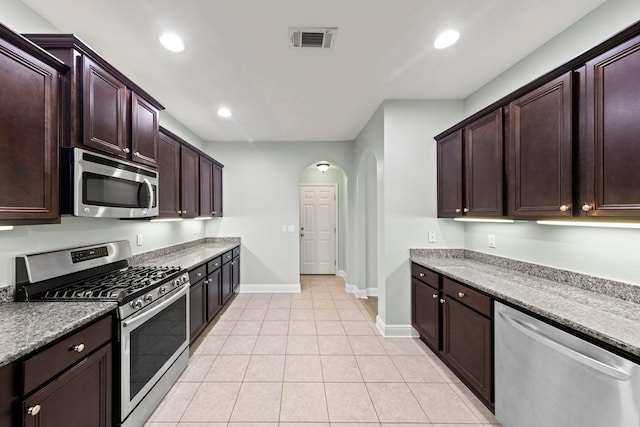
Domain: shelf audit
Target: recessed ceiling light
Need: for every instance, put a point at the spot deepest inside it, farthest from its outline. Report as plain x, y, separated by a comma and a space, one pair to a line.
172, 42
224, 112
446, 39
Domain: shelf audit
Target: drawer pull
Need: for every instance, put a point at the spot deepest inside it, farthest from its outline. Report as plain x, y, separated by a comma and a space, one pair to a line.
78, 348
461, 294
421, 274
564, 208
441, 300
465, 210
126, 150
33, 410
198, 274
458, 210
434, 296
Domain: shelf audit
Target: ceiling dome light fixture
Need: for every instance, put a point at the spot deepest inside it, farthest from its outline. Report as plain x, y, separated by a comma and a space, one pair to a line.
323, 166
172, 42
446, 39
224, 112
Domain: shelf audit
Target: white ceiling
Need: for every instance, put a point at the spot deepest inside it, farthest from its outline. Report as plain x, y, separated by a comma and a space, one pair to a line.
238, 55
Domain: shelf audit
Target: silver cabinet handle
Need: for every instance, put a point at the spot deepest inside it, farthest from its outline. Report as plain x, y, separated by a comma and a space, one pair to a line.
434, 296
33, 410
136, 153
78, 348
461, 294
421, 274
564, 208
587, 207
179, 212
214, 212
441, 300
458, 210
126, 150
199, 274
465, 210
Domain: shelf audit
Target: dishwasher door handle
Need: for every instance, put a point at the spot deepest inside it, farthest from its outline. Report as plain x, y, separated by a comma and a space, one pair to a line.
529, 330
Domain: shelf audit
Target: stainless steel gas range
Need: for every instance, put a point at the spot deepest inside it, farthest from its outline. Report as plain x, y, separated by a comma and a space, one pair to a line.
153, 315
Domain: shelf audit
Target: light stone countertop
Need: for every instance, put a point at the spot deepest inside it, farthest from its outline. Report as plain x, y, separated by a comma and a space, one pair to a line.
27, 326
608, 319
192, 257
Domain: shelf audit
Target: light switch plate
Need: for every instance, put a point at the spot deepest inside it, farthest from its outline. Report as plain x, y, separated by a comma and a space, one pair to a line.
284, 228
291, 228
139, 239
491, 240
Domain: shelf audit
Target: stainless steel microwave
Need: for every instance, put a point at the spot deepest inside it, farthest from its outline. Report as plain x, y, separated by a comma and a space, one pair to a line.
94, 185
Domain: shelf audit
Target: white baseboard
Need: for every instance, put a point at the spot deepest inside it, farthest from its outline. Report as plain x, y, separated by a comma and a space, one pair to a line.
372, 292
293, 288
343, 274
352, 289
396, 331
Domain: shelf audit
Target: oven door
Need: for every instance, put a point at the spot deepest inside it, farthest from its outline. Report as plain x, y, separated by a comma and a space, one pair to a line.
151, 341
105, 187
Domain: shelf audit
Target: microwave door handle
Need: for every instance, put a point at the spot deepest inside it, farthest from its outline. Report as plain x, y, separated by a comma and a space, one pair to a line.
150, 190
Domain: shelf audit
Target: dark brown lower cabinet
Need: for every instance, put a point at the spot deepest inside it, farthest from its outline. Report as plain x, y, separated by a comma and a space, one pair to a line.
197, 309
467, 345
455, 321
426, 312
80, 397
227, 283
214, 295
235, 273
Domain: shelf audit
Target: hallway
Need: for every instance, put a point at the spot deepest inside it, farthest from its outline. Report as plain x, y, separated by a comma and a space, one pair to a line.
313, 359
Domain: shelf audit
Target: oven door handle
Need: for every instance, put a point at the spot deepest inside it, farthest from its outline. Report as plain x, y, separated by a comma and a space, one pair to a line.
144, 315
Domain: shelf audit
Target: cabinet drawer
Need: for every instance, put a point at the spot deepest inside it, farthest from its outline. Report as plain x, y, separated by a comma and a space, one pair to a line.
236, 252
55, 359
226, 257
214, 264
425, 275
198, 273
467, 296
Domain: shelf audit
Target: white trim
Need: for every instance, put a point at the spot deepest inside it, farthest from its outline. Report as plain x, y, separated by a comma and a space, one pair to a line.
293, 288
372, 292
343, 274
358, 293
395, 331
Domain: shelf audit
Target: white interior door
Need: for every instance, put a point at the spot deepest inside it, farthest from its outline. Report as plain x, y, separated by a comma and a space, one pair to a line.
317, 229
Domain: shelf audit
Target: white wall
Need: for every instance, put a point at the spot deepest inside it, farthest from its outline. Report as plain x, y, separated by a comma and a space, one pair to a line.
410, 194
260, 195
610, 253
336, 176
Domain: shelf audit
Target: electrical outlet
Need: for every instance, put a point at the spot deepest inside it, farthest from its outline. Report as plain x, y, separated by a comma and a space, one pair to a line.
284, 228
491, 240
291, 228
431, 236
139, 239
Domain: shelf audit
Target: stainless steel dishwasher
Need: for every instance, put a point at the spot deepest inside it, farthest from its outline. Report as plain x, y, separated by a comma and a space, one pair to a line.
545, 377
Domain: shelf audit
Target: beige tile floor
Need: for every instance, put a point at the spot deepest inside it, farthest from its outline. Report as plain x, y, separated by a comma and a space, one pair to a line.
313, 359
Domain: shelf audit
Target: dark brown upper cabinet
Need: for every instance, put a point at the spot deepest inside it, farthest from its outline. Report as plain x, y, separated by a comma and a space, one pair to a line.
102, 109
612, 137
169, 177
206, 187
29, 96
470, 170
217, 189
189, 182
539, 151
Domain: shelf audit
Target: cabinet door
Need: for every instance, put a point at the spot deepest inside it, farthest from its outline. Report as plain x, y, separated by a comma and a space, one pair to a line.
214, 294
104, 110
450, 175
206, 187
613, 132
235, 273
197, 309
169, 177
467, 346
189, 182
217, 190
80, 397
227, 282
28, 139
425, 313
540, 151
483, 166
144, 131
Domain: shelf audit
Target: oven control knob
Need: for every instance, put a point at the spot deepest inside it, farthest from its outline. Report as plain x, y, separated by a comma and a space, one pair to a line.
176, 283
137, 303
148, 298
87, 210
183, 279
162, 290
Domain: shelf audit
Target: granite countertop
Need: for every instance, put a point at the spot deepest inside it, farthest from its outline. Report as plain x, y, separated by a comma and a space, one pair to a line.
606, 318
27, 326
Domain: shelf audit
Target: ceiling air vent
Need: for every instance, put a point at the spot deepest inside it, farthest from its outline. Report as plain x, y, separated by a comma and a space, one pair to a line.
323, 38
